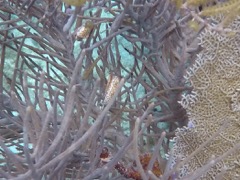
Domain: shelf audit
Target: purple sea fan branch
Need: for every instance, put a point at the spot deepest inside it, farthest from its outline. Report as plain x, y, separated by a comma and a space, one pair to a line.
84, 121
42, 138
79, 142
127, 145
135, 146
26, 133
18, 161
63, 128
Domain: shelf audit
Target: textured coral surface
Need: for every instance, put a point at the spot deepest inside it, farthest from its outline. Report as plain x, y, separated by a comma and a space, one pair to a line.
214, 102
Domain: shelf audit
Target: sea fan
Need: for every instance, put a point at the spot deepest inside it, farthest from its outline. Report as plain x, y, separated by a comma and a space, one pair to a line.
53, 125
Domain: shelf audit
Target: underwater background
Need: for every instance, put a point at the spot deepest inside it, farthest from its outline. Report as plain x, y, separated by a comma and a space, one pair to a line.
119, 89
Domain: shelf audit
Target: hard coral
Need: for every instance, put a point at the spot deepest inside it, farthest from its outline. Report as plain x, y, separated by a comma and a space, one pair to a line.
214, 103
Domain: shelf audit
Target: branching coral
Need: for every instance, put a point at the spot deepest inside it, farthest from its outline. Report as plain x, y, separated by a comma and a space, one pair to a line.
50, 101
213, 108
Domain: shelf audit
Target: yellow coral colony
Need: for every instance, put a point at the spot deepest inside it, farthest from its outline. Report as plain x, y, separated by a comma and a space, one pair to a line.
215, 77
75, 2
230, 8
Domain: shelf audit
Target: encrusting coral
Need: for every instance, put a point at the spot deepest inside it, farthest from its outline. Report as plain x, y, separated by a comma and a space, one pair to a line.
213, 109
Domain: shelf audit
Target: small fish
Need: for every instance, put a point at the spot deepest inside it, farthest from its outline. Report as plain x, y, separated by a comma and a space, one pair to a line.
112, 84
84, 30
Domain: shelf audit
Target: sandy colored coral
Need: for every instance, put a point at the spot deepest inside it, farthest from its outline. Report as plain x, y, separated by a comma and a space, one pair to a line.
230, 8
215, 100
